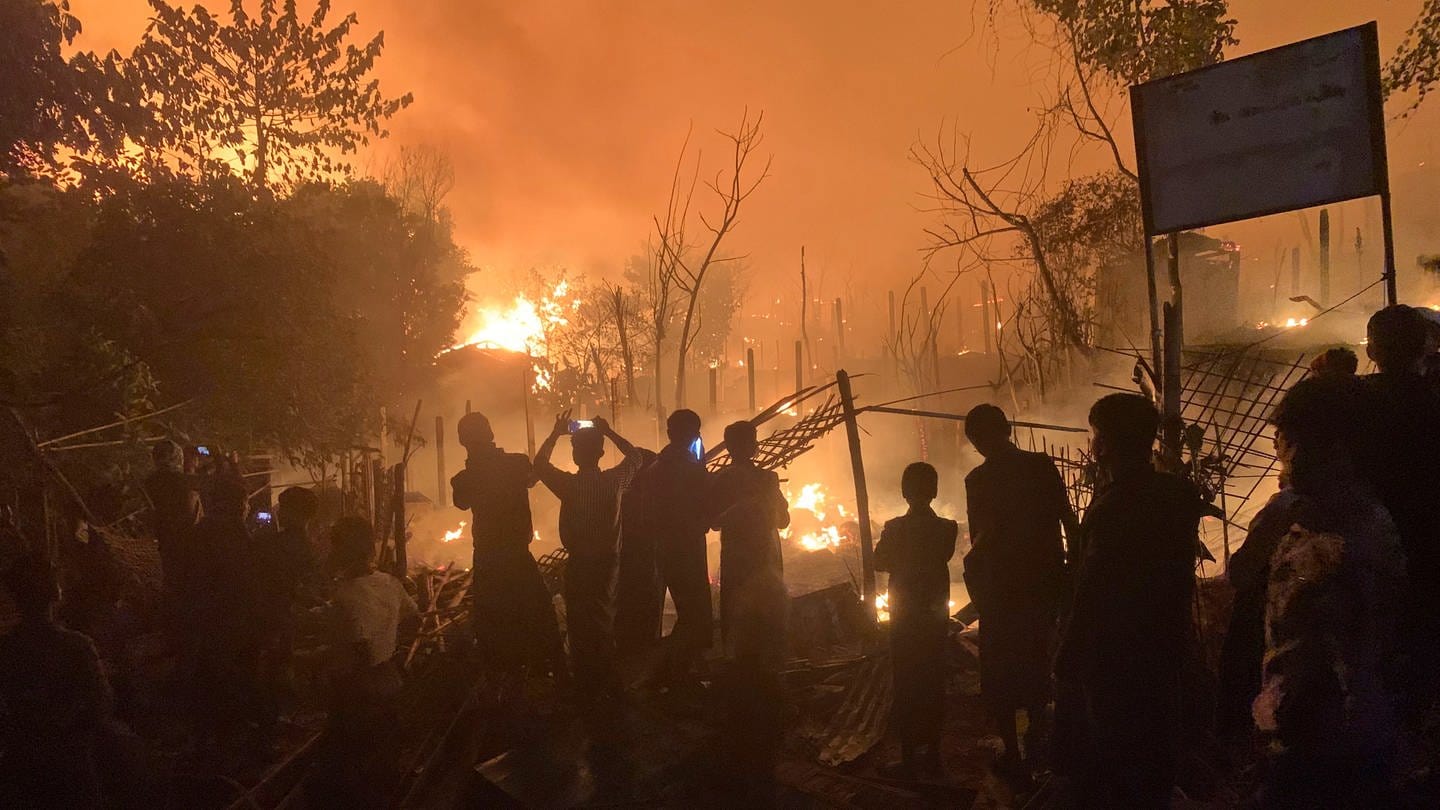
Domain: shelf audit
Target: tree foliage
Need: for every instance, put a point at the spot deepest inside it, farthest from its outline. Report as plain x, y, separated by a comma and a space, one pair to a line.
1133, 41
282, 97
1415, 66
50, 104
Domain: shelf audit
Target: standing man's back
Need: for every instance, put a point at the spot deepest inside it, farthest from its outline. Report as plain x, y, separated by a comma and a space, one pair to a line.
673, 493
1401, 461
915, 549
1015, 572
514, 619
1129, 628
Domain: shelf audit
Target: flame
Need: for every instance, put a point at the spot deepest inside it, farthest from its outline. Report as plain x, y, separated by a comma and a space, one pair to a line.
454, 534
523, 327
827, 537
882, 606
812, 499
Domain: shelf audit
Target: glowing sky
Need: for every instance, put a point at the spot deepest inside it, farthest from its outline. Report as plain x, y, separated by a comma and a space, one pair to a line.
563, 117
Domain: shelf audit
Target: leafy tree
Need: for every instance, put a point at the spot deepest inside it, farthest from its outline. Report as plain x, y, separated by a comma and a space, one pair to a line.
226, 299
278, 96
398, 272
1415, 67
50, 104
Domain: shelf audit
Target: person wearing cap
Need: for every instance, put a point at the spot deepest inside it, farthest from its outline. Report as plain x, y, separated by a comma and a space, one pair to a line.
514, 618
589, 531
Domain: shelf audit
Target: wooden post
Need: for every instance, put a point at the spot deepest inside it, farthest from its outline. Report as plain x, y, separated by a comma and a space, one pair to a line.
862, 496
840, 326
1172, 428
1294, 271
987, 321
440, 483
402, 559
1324, 257
750, 376
615, 402
800, 369
959, 322
714, 390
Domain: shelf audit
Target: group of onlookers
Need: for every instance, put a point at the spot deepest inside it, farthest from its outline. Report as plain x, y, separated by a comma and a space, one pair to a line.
1333, 646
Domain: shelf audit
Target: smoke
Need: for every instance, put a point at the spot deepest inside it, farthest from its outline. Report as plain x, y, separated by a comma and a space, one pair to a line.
564, 118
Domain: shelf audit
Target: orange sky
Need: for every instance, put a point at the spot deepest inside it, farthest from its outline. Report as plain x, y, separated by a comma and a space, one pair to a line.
563, 117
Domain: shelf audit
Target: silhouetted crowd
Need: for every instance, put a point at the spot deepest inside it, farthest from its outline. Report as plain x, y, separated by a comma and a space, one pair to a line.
1088, 626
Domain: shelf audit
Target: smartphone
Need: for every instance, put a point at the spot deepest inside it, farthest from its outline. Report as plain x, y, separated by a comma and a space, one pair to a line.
581, 424
697, 449
264, 518
202, 450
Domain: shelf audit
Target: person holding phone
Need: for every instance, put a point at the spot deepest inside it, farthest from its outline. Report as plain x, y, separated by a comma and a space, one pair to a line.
589, 530
667, 508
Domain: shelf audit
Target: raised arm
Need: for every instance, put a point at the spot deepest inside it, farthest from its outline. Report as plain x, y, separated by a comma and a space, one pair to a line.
621, 443
547, 447
542, 468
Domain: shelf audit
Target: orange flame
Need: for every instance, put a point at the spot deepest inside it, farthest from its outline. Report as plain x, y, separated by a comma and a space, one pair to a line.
454, 534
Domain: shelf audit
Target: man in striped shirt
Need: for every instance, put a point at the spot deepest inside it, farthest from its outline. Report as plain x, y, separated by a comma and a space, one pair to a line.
589, 531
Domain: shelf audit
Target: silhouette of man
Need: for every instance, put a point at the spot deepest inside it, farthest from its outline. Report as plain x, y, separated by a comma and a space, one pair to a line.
54, 700
222, 612
1015, 571
1129, 626
1399, 460
589, 530
514, 619
916, 549
750, 511
673, 492
287, 578
174, 511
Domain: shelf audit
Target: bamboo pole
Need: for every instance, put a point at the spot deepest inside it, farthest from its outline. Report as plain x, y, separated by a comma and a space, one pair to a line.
862, 497
442, 496
120, 423
750, 375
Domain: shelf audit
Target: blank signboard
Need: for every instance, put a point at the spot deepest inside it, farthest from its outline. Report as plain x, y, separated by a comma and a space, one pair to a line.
1288, 128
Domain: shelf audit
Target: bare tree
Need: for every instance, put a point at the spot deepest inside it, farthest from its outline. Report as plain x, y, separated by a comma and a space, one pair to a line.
620, 310
982, 209
682, 267
420, 178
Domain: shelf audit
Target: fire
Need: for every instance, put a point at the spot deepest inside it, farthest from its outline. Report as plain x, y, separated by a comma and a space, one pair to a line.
523, 327
827, 537
812, 499
882, 606
454, 534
